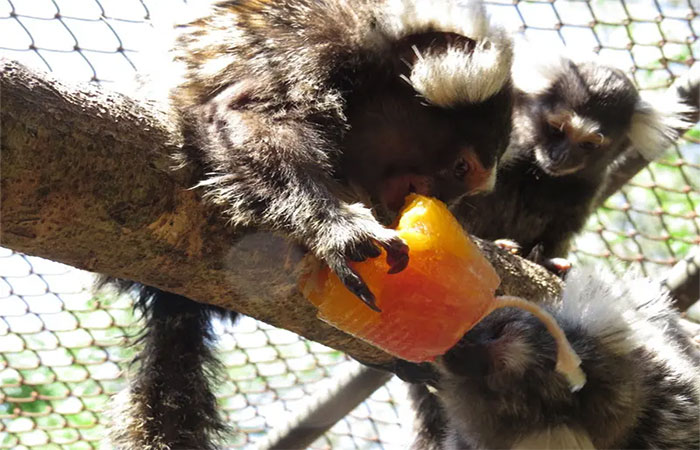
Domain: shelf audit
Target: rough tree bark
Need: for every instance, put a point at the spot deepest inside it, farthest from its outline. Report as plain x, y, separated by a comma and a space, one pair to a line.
87, 180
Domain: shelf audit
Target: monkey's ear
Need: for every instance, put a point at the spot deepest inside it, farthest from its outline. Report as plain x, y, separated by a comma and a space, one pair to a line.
657, 123
535, 67
453, 69
456, 55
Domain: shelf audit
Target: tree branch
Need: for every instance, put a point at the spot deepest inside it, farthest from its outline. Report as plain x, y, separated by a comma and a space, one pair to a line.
683, 280
86, 180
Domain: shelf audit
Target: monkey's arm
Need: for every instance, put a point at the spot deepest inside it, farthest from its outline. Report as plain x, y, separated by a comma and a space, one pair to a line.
268, 117
556, 240
276, 174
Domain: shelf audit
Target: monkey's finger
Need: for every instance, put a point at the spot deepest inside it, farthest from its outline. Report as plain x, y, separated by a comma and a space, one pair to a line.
355, 284
396, 255
364, 250
508, 245
558, 266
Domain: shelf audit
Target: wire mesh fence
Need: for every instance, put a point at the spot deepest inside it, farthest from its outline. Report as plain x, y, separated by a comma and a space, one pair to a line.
652, 222
62, 347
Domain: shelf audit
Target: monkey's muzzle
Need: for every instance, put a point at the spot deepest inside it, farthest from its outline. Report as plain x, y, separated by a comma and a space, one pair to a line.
393, 190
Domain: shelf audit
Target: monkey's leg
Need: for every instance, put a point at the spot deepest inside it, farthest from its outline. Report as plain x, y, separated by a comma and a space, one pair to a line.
170, 402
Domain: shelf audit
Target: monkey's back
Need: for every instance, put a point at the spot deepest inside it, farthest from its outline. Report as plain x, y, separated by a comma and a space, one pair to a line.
288, 53
530, 208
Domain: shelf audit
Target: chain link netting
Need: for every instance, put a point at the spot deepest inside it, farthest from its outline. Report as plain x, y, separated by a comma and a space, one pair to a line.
652, 222
62, 347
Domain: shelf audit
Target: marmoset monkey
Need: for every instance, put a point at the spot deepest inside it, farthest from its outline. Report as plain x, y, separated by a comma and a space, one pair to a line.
294, 111
497, 388
571, 122
288, 103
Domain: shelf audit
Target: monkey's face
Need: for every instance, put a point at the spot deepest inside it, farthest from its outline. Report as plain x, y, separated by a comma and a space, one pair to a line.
581, 121
504, 346
398, 143
568, 142
435, 120
499, 380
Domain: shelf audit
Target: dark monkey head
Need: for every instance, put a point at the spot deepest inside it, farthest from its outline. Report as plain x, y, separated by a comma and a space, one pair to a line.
583, 117
437, 123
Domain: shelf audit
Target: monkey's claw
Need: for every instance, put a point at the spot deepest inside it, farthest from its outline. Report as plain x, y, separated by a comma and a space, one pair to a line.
355, 284
396, 255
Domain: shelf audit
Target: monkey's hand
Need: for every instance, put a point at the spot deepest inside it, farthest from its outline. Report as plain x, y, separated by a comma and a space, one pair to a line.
558, 266
355, 236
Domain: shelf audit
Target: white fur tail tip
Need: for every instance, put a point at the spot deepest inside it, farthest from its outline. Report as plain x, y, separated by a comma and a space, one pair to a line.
456, 77
657, 123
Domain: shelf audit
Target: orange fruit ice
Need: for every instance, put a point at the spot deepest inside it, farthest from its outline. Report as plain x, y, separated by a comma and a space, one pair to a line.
447, 287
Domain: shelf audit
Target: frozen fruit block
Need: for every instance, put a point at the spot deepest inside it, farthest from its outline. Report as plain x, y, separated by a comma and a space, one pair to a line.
447, 287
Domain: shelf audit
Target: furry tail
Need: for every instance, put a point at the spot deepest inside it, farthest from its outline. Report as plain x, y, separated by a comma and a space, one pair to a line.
430, 422
170, 403
661, 119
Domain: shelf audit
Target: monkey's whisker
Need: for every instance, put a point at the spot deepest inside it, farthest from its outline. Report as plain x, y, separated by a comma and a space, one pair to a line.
417, 52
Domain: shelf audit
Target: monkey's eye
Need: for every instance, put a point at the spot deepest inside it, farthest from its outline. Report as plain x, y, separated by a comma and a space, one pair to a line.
462, 168
555, 130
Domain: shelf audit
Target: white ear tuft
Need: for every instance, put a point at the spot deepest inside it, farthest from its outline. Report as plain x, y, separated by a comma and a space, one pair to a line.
404, 17
447, 78
535, 67
455, 76
657, 123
